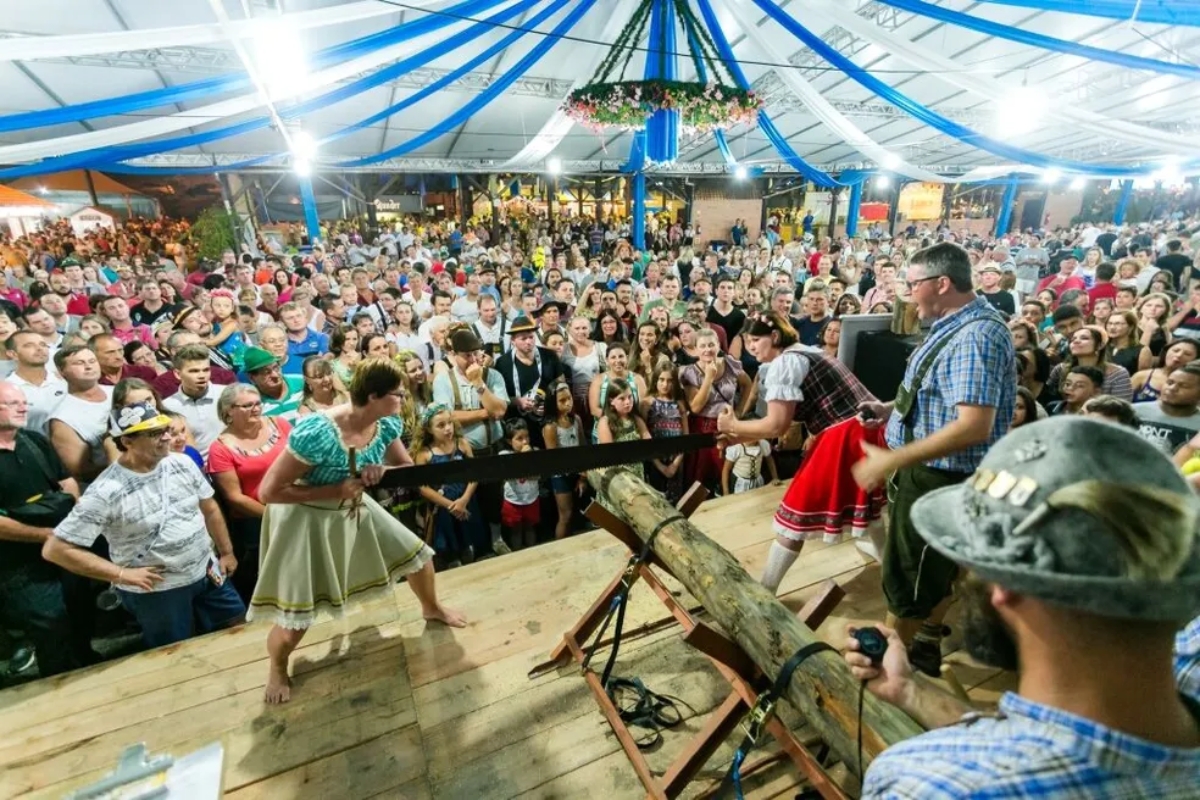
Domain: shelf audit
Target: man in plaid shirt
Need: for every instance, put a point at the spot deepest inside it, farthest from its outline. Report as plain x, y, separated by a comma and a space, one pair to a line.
1082, 596
955, 402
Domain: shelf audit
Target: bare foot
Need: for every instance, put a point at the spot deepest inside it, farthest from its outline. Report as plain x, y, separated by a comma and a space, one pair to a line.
279, 686
448, 616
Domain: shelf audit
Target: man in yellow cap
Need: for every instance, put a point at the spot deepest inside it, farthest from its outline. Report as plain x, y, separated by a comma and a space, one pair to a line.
160, 519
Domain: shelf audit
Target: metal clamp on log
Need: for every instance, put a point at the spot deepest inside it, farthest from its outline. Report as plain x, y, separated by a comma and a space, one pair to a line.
761, 713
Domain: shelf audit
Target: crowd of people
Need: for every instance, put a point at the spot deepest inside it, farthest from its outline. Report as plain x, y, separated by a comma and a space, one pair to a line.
161, 421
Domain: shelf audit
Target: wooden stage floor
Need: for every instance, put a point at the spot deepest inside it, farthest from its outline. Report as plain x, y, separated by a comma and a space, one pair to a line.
386, 706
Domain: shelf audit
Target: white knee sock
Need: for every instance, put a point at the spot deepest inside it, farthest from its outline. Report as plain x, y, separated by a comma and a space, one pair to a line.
779, 561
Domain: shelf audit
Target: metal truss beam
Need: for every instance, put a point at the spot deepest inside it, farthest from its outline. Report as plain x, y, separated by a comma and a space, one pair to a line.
489, 166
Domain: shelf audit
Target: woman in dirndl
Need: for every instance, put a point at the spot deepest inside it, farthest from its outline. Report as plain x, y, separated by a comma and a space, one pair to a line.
327, 545
804, 385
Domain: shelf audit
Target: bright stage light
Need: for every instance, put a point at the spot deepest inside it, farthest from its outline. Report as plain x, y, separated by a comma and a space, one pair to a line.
740, 172
890, 161
304, 146
302, 167
280, 61
1078, 184
1051, 175
1020, 111
1170, 173
882, 182
554, 165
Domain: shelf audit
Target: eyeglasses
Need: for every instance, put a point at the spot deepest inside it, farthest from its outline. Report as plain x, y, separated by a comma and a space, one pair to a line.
914, 284
248, 406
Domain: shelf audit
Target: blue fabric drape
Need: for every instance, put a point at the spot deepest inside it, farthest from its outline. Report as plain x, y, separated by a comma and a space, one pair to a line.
106, 156
535, 54
662, 129
1165, 12
1004, 219
1032, 39
210, 87
725, 52
853, 209
311, 221
1122, 202
637, 153
928, 116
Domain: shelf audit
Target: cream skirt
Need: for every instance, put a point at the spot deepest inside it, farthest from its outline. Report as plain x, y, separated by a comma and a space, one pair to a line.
318, 559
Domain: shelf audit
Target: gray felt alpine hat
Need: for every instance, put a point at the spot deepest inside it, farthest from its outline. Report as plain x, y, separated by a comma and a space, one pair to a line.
1011, 523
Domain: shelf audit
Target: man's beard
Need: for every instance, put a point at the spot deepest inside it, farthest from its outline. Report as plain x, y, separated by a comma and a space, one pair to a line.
985, 636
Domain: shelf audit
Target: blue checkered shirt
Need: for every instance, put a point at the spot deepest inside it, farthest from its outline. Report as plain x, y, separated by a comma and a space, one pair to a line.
1032, 751
977, 368
1187, 660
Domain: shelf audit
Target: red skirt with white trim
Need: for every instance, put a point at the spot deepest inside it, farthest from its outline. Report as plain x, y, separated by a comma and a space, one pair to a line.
823, 501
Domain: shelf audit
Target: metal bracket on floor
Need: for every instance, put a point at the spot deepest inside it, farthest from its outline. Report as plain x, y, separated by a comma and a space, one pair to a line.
745, 679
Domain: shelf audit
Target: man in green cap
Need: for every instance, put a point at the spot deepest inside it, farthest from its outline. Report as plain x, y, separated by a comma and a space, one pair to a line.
281, 394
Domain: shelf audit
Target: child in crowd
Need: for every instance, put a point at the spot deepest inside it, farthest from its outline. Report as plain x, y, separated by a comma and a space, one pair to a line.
667, 417
564, 430
181, 439
745, 462
521, 511
454, 526
620, 420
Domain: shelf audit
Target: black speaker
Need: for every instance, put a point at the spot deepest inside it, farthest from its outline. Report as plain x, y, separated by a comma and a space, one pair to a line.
880, 360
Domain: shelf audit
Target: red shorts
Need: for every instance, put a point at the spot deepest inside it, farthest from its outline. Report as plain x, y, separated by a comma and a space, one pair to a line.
515, 516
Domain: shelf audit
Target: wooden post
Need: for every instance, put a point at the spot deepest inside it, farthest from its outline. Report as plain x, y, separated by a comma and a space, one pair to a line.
822, 689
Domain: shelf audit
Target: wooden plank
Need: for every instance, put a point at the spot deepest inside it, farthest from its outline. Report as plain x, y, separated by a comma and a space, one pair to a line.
393, 763
353, 699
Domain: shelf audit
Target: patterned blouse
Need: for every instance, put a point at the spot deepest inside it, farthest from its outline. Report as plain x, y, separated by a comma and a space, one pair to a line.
317, 442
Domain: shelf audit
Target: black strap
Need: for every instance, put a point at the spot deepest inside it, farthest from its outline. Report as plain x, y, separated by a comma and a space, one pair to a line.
647, 710
761, 714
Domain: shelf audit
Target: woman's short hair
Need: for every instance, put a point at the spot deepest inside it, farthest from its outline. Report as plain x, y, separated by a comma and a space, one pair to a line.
229, 396
374, 377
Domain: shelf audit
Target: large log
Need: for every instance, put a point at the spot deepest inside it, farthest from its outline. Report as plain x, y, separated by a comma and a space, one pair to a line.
822, 689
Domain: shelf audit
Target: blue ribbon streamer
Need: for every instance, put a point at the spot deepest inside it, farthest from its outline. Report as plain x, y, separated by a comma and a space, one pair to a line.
928, 116
637, 153
639, 210
481, 100
1032, 39
1164, 12
209, 87
105, 157
662, 129
764, 121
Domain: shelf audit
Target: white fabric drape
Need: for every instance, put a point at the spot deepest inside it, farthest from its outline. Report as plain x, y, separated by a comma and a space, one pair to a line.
89, 44
816, 103
559, 125
950, 71
136, 131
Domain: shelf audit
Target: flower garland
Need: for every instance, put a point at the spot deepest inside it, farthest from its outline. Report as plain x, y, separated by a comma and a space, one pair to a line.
629, 104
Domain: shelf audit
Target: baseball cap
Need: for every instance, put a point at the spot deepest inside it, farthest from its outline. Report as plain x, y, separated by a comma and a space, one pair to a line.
136, 418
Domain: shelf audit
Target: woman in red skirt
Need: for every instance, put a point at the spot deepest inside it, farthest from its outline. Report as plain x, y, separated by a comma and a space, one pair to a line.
714, 382
803, 384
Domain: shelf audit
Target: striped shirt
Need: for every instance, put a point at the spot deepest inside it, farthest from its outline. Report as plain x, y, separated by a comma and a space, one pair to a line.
977, 368
1032, 751
1187, 659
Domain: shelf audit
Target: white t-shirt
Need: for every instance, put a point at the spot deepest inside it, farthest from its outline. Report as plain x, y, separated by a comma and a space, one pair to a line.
149, 519
465, 309
43, 400
520, 491
88, 419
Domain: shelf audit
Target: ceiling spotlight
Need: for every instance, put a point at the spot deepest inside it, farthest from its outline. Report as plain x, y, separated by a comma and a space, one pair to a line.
43, 190
740, 172
890, 161
279, 57
1020, 111
554, 165
1078, 184
882, 181
304, 146
1051, 175
302, 167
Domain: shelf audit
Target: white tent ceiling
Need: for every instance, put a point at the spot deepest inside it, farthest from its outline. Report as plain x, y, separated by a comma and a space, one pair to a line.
500, 130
